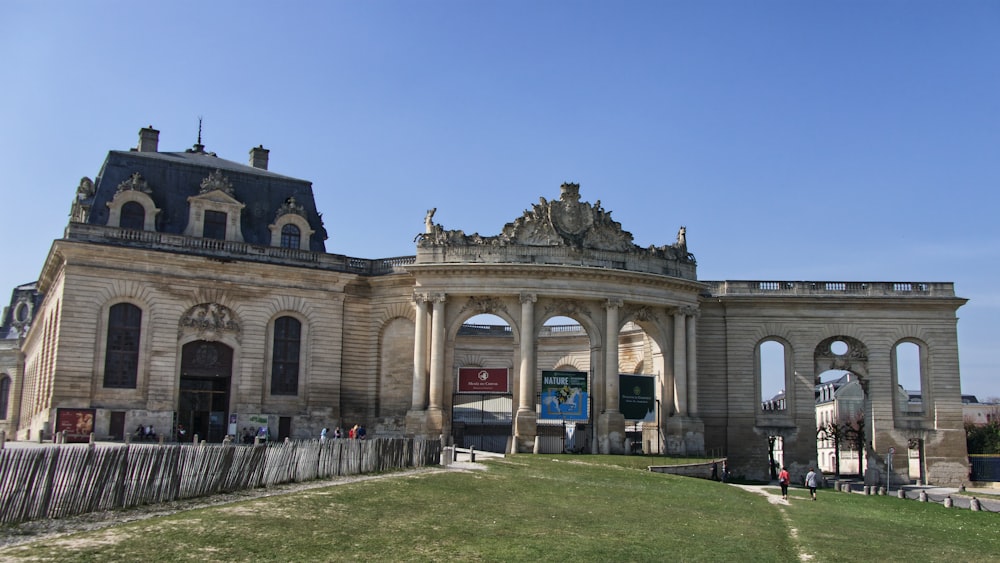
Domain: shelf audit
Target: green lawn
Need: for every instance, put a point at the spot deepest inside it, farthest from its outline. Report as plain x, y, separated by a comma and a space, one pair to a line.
541, 508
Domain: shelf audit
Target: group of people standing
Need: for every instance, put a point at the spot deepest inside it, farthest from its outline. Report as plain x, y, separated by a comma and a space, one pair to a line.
356, 432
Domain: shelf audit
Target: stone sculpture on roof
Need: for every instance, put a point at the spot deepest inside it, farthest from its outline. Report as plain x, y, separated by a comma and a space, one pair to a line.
565, 222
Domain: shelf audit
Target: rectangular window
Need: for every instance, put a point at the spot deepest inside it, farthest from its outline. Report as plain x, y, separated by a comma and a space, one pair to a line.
215, 225
285, 356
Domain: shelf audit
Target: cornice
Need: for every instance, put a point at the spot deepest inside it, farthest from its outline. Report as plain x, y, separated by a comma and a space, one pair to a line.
549, 272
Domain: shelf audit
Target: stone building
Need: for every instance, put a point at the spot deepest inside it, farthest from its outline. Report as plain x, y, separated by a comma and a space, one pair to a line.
193, 290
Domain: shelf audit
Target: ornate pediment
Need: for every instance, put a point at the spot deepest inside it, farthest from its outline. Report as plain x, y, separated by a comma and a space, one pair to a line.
210, 321
563, 222
564, 231
216, 181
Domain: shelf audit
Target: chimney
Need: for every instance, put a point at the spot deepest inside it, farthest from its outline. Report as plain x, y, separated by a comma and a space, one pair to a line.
149, 138
258, 157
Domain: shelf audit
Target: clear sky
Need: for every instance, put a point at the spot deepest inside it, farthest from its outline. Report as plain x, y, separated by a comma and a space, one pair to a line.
823, 141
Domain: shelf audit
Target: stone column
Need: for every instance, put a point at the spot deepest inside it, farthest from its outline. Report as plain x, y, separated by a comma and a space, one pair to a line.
611, 353
611, 422
420, 354
692, 362
435, 416
685, 432
526, 419
680, 365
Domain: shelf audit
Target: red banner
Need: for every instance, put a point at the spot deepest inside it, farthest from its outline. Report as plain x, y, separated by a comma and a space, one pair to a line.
483, 380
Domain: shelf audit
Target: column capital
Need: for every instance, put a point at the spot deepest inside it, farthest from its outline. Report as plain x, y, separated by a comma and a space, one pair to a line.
528, 297
419, 297
613, 303
685, 310
438, 297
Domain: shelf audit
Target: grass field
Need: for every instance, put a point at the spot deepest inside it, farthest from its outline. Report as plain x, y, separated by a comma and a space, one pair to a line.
541, 508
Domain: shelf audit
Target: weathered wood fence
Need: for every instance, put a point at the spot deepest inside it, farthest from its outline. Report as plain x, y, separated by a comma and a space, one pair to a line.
60, 481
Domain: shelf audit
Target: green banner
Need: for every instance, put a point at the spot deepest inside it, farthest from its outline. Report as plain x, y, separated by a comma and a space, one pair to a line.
637, 397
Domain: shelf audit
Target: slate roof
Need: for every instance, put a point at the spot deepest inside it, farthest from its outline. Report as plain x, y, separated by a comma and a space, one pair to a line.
173, 177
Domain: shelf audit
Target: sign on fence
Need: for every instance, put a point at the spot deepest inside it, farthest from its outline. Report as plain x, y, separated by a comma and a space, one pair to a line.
76, 423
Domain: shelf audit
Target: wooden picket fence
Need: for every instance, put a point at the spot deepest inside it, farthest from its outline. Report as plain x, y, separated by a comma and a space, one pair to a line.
59, 481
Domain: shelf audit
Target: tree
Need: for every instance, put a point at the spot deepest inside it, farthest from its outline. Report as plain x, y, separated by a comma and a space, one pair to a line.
770, 454
853, 431
835, 433
983, 439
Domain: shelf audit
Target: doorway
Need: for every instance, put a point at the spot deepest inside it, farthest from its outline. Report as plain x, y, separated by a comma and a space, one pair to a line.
206, 374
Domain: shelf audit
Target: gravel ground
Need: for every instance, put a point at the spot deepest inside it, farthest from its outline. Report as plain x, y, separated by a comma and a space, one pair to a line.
27, 532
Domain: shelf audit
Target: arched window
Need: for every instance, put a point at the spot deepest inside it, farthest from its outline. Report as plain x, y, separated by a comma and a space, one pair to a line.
4, 396
285, 356
121, 360
133, 216
290, 237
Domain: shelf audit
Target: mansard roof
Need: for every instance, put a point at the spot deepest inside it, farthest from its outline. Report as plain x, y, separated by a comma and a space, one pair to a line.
170, 178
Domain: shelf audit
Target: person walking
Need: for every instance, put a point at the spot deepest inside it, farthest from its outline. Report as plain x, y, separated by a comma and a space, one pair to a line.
783, 479
812, 481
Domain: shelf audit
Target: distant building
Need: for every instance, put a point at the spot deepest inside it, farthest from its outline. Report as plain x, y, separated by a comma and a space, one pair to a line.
189, 289
980, 414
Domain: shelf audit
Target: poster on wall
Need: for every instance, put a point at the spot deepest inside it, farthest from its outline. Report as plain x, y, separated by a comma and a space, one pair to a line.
483, 380
564, 395
637, 397
77, 423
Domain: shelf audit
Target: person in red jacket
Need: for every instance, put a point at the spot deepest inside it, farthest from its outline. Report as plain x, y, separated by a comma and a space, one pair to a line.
783, 481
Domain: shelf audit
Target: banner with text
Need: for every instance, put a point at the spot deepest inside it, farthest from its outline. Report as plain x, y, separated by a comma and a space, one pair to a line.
483, 380
637, 397
564, 395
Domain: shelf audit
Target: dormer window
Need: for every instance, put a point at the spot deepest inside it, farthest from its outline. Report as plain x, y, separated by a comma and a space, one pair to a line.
291, 228
215, 225
290, 237
132, 207
215, 212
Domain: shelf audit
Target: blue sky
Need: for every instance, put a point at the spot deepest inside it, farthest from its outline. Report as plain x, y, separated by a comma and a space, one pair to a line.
821, 141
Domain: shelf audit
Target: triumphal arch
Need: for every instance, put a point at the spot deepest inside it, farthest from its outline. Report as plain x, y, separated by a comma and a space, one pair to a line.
700, 339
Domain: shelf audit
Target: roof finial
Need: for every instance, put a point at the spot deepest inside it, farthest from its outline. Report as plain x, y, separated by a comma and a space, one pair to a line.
198, 147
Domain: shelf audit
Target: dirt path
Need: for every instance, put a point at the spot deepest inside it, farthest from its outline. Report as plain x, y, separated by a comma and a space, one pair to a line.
775, 498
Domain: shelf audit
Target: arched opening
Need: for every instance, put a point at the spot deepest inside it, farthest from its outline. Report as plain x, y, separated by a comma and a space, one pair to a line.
772, 370
133, 216
482, 402
839, 418
908, 368
203, 405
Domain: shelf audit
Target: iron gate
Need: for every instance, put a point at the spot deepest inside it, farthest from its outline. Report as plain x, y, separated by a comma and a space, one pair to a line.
482, 421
